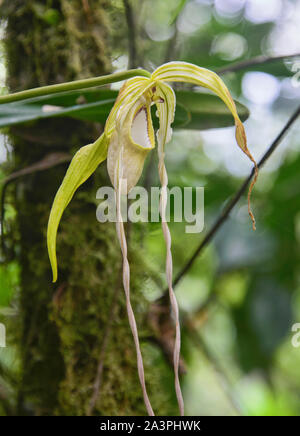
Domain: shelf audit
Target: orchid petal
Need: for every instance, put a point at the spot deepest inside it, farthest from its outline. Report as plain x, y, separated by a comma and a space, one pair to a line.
166, 108
166, 111
186, 72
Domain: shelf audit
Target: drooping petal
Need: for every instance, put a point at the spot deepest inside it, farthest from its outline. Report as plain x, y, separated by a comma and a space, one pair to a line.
126, 284
131, 139
186, 72
166, 101
82, 166
166, 110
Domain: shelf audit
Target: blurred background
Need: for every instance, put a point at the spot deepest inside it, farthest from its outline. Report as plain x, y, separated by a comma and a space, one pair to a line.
68, 347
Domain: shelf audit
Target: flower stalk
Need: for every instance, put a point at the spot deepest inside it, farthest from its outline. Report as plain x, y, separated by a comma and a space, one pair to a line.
73, 86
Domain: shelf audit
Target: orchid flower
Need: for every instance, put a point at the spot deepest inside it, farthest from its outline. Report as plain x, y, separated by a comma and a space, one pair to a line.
127, 139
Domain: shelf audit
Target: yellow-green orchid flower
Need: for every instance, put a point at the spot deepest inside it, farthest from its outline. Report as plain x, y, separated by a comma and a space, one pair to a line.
123, 126
127, 139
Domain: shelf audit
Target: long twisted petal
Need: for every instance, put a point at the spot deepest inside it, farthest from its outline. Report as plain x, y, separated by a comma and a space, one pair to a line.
126, 279
166, 117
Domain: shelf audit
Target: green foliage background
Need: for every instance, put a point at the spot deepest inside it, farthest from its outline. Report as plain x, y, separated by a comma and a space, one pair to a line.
242, 294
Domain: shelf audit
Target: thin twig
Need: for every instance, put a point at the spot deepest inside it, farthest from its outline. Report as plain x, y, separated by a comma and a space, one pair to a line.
132, 48
162, 326
225, 213
252, 62
172, 46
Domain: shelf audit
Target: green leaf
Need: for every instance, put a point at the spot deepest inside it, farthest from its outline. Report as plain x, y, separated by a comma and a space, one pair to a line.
207, 111
195, 110
82, 166
17, 113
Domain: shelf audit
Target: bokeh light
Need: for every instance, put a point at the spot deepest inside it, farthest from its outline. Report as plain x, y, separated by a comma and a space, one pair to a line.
193, 17
261, 11
260, 88
158, 31
229, 46
229, 7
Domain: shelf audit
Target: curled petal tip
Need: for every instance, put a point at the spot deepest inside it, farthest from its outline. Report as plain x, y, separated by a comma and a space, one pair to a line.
253, 220
250, 191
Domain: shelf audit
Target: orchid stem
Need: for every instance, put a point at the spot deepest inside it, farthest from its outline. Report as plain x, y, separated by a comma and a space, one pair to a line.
71, 86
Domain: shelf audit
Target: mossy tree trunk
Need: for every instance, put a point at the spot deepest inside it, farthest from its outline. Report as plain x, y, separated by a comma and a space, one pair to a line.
76, 349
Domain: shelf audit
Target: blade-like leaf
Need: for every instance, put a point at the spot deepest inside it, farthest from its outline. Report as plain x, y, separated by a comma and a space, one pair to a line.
195, 110
83, 164
17, 113
206, 111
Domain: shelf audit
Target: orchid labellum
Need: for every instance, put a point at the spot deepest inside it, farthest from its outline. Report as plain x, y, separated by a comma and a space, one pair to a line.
127, 139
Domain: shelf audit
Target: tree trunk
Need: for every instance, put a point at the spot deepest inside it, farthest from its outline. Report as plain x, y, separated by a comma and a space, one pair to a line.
76, 350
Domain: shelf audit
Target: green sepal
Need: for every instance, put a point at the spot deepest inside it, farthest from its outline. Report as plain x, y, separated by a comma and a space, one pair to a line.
82, 166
